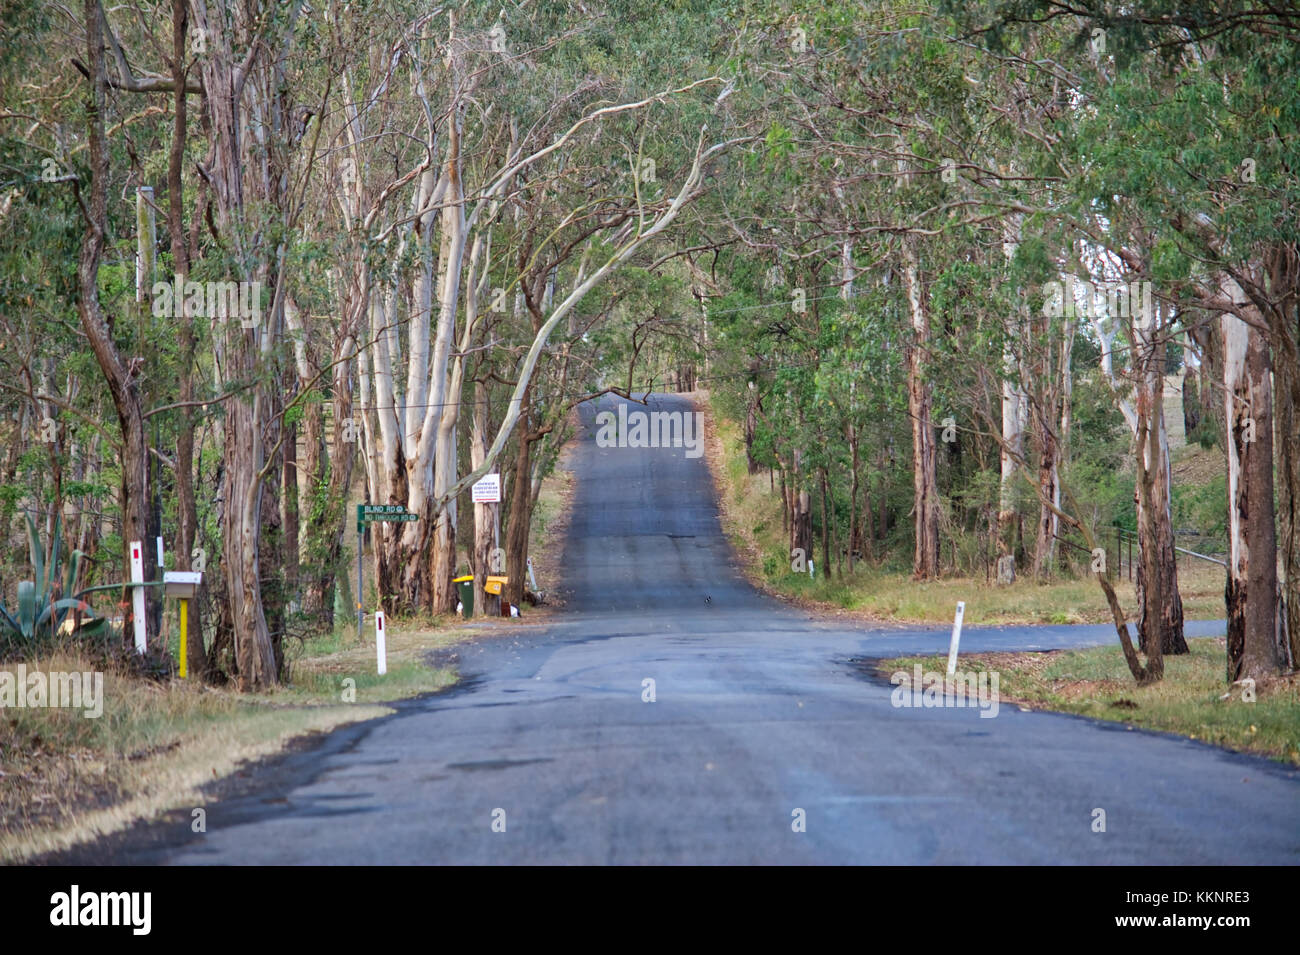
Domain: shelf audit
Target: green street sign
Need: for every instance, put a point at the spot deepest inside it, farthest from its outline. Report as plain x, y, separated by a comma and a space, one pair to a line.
366, 513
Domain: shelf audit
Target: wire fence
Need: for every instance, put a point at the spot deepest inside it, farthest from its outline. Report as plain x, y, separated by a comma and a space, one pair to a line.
1193, 552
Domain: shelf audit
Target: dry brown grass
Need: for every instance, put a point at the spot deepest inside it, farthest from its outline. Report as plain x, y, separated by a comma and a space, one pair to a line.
65, 779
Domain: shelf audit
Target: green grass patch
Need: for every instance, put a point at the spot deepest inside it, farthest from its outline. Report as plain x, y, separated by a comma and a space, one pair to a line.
885, 590
893, 595
1189, 701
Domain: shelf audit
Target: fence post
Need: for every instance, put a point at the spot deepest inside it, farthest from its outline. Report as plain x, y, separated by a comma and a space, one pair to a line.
137, 594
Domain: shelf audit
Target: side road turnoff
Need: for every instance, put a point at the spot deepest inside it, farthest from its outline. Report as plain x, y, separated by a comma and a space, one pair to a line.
675, 715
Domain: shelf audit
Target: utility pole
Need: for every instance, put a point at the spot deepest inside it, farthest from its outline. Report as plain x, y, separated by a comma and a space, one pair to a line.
146, 256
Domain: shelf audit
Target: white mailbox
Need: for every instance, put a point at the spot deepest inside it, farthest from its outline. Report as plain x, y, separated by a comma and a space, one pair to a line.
182, 583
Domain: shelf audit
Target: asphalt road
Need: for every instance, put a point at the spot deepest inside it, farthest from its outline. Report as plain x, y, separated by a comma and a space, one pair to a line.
758, 713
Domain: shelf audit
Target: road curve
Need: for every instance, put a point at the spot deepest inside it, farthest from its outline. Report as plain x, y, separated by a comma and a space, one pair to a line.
757, 715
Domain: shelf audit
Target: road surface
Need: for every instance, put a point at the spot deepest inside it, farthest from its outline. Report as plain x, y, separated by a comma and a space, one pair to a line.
758, 713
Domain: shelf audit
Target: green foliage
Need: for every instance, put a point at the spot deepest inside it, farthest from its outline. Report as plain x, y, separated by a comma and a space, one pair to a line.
1200, 507
891, 131
39, 612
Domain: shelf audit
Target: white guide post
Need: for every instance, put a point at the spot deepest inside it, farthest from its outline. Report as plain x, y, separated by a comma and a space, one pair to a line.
137, 593
956, 637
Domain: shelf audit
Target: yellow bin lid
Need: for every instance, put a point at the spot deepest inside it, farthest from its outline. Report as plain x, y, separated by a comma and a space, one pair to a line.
461, 580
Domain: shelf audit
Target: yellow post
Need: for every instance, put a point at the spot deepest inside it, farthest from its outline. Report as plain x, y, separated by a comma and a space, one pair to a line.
185, 626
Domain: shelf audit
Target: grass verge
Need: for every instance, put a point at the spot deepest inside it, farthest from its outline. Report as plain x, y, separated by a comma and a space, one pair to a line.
1189, 701
751, 519
66, 778
550, 524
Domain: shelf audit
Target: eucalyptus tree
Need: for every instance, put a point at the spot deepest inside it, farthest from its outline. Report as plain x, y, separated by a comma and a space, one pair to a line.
1196, 102
883, 153
482, 167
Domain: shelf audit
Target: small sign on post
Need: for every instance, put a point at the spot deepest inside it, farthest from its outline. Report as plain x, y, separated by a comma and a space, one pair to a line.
367, 513
137, 594
384, 512
487, 490
381, 648
956, 637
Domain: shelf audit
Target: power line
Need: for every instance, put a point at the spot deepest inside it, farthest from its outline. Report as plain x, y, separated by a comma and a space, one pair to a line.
578, 394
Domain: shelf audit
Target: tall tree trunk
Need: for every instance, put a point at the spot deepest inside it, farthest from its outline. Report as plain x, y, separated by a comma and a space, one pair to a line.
426, 550
315, 603
485, 515
884, 507
1066, 368
1049, 489
868, 522
1161, 618
851, 430
289, 507
122, 378
751, 421
387, 471
1050, 381
1006, 529
1208, 384
1152, 597
1191, 401
1288, 473
447, 459
145, 261
224, 85
1013, 444
925, 488
186, 503
1283, 267
1251, 592
826, 526
271, 548
1160, 613
801, 522
801, 537
330, 522
520, 509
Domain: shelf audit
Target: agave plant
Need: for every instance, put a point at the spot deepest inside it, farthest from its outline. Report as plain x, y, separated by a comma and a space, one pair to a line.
37, 610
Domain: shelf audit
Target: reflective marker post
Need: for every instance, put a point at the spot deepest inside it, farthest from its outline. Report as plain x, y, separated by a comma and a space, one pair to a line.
137, 594
956, 637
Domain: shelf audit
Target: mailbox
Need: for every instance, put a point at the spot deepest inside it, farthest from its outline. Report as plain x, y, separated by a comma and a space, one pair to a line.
182, 583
